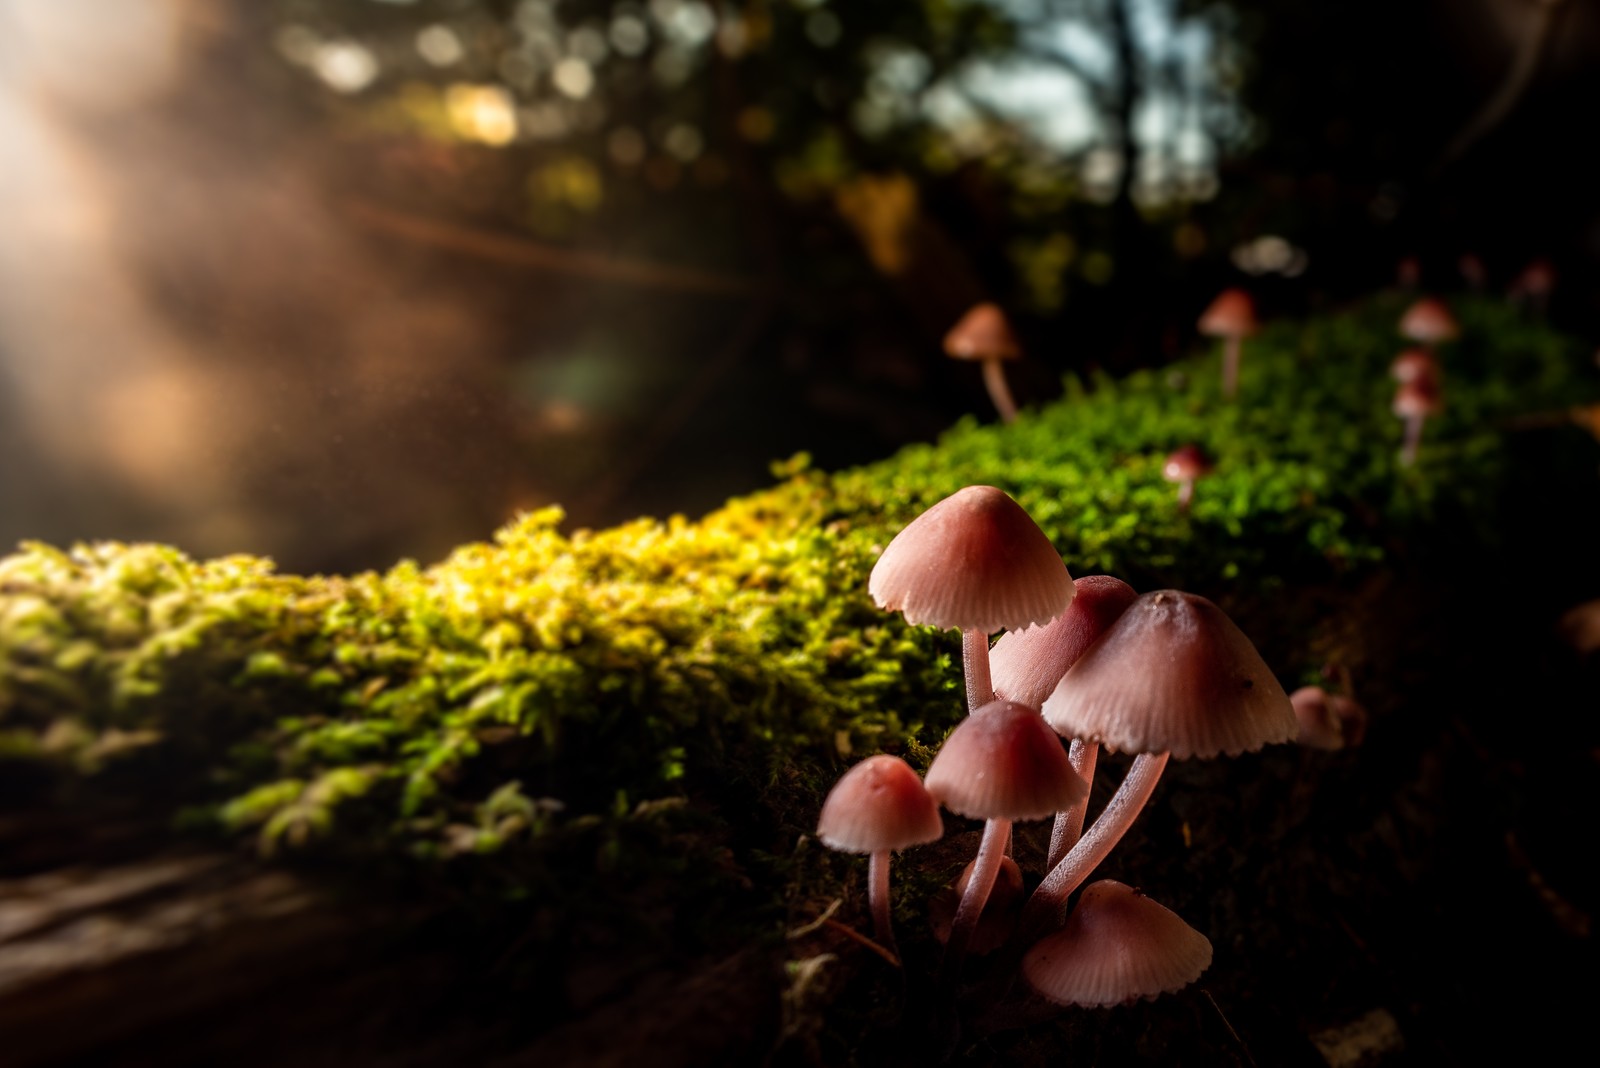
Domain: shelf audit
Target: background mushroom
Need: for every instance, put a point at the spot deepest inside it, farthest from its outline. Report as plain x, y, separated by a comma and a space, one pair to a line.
1185, 464
1429, 322
1232, 317
1173, 677
985, 334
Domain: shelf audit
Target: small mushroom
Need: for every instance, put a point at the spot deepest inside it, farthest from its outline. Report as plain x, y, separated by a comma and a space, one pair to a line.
1319, 727
878, 806
1117, 946
999, 765
1534, 285
976, 562
1415, 365
1414, 401
1429, 322
1232, 317
1185, 464
1174, 676
1473, 271
985, 334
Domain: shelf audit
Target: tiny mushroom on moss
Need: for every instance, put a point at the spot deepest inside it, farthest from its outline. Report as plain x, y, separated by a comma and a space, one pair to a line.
1232, 317
975, 562
1415, 365
1184, 465
878, 806
984, 334
1429, 322
1117, 946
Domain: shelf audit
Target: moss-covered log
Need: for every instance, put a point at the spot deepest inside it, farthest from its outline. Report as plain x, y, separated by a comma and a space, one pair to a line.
569, 726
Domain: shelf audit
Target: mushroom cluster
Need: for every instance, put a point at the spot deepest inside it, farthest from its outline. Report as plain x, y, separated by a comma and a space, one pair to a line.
1088, 662
1420, 394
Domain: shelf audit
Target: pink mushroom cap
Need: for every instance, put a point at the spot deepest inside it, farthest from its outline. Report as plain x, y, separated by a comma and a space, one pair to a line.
974, 561
1027, 664
1174, 674
1429, 320
1117, 946
879, 804
1418, 398
1232, 314
1414, 365
1002, 762
1184, 463
983, 333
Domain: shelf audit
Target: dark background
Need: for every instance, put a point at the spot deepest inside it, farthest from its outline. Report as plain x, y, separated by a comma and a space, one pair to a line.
342, 281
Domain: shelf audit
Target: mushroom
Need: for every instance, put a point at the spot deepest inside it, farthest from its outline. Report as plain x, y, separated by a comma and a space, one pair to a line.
1534, 285
878, 806
1232, 317
1117, 947
1328, 721
1027, 665
1173, 677
999, 765
1473, 271
1414, 365
976, 562
1428, 322
999, 917
1414, 401
1185, 464
985, 334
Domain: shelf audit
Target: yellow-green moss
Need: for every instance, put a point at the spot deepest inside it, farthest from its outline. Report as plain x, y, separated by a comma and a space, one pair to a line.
543, 682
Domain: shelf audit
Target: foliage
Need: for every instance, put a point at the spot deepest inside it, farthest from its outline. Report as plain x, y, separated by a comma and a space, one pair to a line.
546, 685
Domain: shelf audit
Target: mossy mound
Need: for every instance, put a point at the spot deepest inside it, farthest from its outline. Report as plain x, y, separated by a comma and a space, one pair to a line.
546, 686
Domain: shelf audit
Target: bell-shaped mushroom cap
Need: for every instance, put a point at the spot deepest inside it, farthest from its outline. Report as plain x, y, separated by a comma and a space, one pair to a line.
974, 561
1027, 664
1427, 321
1118, 946
1174, 674
879, 804
1184, 463
1002, 762
984, 333
1418, 397
1232, 314
1415, 365
1319, 726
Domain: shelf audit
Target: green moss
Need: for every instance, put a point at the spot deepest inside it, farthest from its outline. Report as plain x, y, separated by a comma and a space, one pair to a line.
544, 685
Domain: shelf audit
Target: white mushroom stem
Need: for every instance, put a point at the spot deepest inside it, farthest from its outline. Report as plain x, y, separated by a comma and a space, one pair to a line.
1230, 365
994, 377
985, 868
1413, 439
1068, 827
1046, 909
975, 665
1185, 494
878, 898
